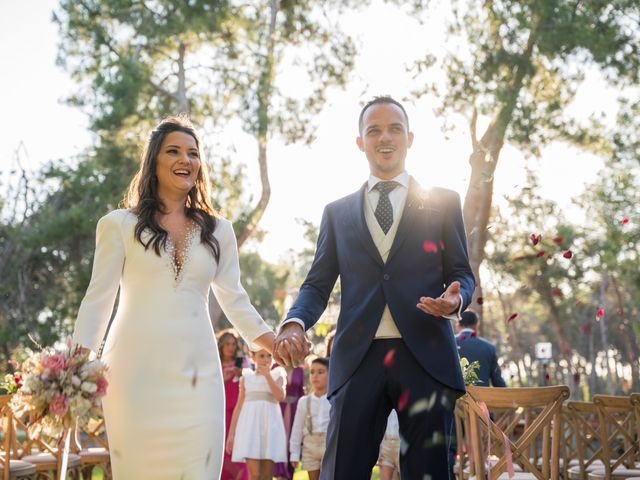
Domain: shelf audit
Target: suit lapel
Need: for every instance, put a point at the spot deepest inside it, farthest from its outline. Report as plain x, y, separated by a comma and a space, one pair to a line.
360, 224
412, 206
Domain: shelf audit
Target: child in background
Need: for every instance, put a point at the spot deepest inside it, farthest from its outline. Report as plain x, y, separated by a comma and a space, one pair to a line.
256, 435
389, 457
309, 429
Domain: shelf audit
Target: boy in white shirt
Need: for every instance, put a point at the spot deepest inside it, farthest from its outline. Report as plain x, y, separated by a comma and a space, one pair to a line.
309, 430
389, 459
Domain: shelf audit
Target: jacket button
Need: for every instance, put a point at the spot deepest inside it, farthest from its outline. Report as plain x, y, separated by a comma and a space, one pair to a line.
386, 276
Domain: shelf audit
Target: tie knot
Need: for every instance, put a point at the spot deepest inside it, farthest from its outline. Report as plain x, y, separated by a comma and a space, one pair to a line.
385, 187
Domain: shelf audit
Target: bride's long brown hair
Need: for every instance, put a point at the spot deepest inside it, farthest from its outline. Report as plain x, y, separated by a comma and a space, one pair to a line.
142, 197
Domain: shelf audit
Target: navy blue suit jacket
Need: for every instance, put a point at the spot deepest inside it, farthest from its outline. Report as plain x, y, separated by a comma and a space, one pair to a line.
346, 249
484, 352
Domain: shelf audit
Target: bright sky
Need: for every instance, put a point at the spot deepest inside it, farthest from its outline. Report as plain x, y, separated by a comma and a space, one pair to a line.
303, 179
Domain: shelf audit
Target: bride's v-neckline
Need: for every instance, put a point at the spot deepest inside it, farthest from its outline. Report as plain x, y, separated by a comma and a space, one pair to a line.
178, 253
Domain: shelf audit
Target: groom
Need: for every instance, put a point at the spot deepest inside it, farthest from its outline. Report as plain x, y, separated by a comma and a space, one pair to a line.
401, 256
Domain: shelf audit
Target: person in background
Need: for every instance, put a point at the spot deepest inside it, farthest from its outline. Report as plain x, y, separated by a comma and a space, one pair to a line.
389, 457
231, 360
309, 432
256, 435
475, 348
294, 390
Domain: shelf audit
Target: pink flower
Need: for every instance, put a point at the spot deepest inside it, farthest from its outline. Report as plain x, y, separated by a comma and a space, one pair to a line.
55, 363
430, 247
59, 406
102, 385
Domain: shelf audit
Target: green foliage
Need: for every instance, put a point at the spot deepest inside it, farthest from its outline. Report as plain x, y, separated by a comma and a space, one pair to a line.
469, 371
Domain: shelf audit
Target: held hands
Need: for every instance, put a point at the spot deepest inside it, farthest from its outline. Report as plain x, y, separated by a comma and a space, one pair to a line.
447, 304
291, 345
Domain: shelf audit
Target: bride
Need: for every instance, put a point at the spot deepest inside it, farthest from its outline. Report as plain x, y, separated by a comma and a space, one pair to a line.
164, 409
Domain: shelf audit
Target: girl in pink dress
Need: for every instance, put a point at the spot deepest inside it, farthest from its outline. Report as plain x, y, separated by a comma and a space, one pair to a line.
232, 363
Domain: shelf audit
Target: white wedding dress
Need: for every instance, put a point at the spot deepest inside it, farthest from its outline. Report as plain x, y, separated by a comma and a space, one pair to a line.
164, 408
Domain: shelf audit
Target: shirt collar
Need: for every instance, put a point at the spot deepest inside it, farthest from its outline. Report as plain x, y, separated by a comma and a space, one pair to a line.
402, 179
319, 397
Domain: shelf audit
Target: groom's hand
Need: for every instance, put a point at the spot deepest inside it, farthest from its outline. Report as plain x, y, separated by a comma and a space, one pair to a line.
291, 345
446, 304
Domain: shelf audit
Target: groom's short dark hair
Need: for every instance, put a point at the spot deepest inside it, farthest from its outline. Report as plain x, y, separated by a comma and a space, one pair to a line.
378, 100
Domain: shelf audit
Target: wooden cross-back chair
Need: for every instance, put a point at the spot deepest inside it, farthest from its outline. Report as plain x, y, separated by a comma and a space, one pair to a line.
617, 434
583, 416
90, 443
569, 443
10, 468
539, 407
43, 453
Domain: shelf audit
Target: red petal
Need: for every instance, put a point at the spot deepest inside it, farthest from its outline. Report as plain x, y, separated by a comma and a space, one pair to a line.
600, 312
535, 239
430, 247
512, 317
388, 358
556, 292
624, 220
567, 254
540, 254
194, 379
558, 240
480, 300
403, 400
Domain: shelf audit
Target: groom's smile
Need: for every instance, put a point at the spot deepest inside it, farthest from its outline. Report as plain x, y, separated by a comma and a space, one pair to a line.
385, 138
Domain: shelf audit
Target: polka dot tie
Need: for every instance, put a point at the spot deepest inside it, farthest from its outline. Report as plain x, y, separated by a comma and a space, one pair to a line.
384, 211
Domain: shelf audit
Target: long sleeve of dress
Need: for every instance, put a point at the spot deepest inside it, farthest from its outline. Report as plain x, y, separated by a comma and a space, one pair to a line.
97, 305
295, 440
229, 291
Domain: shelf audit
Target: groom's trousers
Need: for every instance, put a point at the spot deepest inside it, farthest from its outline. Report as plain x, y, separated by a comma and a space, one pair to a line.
390, 377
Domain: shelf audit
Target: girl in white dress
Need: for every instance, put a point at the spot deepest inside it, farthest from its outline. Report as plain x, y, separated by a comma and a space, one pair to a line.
257, 435
164, 408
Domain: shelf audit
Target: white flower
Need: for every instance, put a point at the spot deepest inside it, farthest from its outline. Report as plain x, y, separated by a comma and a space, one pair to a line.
75, 381
89, 387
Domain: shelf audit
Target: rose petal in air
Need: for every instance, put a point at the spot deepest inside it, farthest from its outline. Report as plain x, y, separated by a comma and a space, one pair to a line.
600, 312
556, 292
512, 317
558, 240
624, 220
403, 401
567, 254
194, 379
430, 247
389, 358
540, 254
535, 239
480, 300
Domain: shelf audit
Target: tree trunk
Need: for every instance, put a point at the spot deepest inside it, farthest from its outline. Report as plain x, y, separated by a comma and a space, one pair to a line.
265, 87
484, 159
181, 94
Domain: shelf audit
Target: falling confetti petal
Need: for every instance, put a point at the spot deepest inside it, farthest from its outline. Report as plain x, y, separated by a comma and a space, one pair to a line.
558, 240
556, 292
600, 312
194, 379
430, 247
540, 254
535, 239
624, 220
403, 400
480, 300
567, 254
512, 317
389, 358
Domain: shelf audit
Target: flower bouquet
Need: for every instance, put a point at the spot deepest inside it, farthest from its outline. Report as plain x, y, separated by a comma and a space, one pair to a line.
56, 389
469, 373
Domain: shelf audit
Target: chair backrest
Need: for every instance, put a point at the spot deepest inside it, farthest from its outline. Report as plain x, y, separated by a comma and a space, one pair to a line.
617, 431
586, 425
6, 428
535, 411
93, 434
635, 401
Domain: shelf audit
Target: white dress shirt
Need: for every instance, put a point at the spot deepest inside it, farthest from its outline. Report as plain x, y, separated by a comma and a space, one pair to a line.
318, 408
